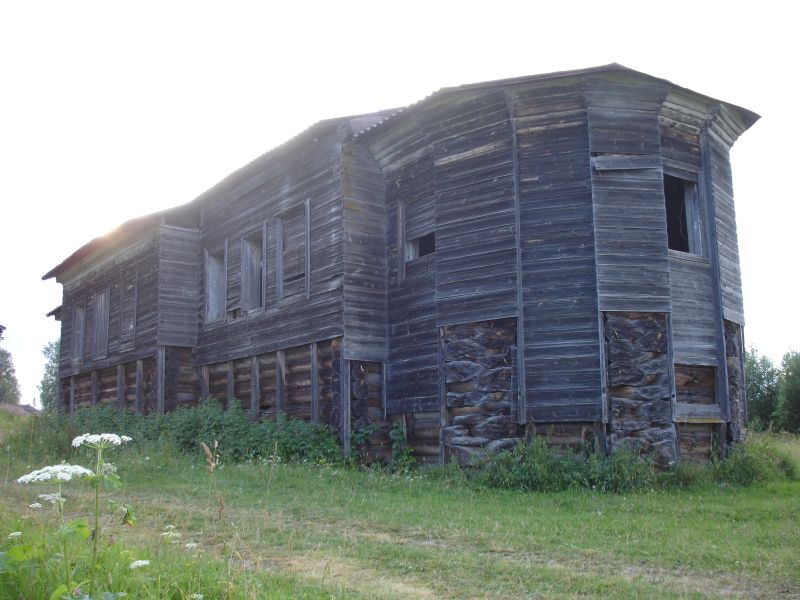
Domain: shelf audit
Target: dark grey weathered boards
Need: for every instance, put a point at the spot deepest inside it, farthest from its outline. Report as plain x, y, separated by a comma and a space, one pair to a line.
547, 255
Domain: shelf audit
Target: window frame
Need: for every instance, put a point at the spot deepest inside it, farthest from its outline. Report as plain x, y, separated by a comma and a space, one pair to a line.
247, 252
78, 337
221, 290
280, 277
100, 320
694, 213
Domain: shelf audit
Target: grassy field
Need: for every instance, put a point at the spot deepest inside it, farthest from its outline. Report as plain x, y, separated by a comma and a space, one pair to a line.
321, 531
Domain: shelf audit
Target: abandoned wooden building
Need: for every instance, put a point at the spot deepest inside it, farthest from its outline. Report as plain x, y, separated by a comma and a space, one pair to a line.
547, 255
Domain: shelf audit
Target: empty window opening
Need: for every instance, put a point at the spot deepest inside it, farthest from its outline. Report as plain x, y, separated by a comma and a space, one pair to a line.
421, 246
683, 227
101, 323
78, 328
253, 272
215, 286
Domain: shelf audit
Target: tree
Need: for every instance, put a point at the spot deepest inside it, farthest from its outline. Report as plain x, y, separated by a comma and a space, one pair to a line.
9, 386
48, 388
788, 411
762, 383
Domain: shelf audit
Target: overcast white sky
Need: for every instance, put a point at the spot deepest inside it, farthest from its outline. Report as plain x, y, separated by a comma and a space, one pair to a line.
111, 110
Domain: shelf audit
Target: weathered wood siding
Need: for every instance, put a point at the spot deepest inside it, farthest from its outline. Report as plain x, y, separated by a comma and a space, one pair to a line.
406, 158
132, 313
307, 170
629, 214
723, 131
472, 139
365, 259
694, 323
559, 286
177, 286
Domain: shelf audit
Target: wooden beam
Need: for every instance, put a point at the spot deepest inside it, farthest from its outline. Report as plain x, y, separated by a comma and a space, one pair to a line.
120, 386
279, 259
204, 384
344, 395
94, 389
442, 388
280, 380
522, 404
139, 382
255, 388
230, 380
314, 383
72, 395
713, 256
307, 241
161, 371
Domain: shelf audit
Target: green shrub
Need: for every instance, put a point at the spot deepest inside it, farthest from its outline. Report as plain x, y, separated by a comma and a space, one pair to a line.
529, 467
759, 458
240, 438
621, 471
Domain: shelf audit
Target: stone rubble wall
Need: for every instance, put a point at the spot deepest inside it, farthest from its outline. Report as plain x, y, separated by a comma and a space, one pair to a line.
479, 368
639, 385
736, 387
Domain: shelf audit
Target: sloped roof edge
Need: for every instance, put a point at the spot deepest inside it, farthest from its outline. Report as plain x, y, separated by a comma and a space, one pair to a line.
749, 116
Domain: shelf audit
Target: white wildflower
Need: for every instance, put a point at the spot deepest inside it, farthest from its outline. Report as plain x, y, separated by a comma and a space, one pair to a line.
139, 563
101, 440
35, 505
62, 472
51, 498
109, 469
190, 545
14, 534
171, 534
196, 597
169, 527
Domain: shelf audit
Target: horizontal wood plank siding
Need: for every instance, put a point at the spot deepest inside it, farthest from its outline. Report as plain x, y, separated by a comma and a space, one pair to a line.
720, 138
178, 296
559, 287
135, 262
476, 274
406, 159
365, 259
312, 172
629, 214
694, 337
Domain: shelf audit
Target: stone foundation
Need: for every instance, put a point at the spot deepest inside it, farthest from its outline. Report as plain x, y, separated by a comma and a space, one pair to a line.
639, 385
736, 391
479, 366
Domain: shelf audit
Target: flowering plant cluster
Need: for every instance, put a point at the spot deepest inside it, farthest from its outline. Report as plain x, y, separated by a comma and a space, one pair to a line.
58, 473
100, 440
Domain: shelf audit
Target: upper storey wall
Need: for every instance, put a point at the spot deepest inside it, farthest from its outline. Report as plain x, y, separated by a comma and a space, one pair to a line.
110, 310
291, 207
627, 191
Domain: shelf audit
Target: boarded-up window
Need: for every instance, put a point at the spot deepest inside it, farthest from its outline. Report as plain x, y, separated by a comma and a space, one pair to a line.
101, 323
684, 231
253, 271
694, 384
127, 310
293, 252
78, 331
215, 286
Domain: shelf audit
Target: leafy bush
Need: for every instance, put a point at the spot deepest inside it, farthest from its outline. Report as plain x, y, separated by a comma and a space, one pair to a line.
530, 467
239, 437
620, 471
757, 459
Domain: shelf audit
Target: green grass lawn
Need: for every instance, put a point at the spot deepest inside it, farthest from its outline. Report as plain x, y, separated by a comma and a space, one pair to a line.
318, 531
